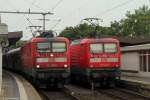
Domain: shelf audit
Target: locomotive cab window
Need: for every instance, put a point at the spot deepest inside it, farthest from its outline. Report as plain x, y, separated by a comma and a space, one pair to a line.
43, 47
110, 48
58, 47
96, 48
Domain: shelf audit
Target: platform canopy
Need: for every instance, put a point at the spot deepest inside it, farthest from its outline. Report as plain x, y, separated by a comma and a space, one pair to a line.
129, 41
13, 37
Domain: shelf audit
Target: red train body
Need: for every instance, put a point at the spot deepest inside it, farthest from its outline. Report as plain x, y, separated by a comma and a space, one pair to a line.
44, 60
95, 60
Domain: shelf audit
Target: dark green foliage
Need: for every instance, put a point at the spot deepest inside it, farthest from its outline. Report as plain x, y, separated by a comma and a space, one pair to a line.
135, 24
82, 31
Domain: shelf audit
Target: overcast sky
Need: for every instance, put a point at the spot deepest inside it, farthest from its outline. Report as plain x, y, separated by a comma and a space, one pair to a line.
71, 12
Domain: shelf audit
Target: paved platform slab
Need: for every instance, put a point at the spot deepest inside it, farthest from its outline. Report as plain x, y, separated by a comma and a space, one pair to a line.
15, 87
9, 88
138, 84
139, 80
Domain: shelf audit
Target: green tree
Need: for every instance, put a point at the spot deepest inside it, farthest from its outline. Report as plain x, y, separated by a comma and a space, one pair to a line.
84, 30
135, 24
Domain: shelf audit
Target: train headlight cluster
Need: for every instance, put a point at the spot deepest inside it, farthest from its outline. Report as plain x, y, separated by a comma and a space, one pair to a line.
51, 55
37, 66
65, 65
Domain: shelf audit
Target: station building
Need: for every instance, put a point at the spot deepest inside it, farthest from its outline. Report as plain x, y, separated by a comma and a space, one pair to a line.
135, 56
135, 60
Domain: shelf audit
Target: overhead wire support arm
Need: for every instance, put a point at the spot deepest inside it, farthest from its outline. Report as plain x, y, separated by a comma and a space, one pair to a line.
19, 12
29, 12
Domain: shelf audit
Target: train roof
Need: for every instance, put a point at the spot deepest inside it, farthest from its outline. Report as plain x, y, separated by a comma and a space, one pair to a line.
41, 39
93, 40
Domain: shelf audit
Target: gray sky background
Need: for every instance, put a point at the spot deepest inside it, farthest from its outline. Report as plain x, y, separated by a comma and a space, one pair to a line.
71, 12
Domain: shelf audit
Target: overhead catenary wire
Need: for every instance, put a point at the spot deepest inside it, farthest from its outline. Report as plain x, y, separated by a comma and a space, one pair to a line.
14, 8
55, 6
72, 11
37, 28
30, 21
56, 24
115, 7
108, 10
33, 3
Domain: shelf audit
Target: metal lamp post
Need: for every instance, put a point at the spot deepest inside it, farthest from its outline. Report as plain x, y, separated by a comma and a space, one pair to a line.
3, 43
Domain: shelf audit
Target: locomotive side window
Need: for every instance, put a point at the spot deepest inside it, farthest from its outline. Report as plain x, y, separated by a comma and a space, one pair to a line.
96, 48
110, 47
43, 47
58, 47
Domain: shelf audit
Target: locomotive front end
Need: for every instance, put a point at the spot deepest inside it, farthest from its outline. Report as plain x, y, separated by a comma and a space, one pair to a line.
52, 64
104, 61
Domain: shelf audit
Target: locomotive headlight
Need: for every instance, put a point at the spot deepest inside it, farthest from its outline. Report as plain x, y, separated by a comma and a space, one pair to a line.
65, 65
51, 55
37, 66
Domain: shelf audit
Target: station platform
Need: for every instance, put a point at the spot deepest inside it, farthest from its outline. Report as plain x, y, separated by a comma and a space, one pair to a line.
138, 84
15, 87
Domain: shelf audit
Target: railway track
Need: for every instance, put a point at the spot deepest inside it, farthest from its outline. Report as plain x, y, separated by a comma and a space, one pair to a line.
56, 94
122, 94
73, 92
85, 93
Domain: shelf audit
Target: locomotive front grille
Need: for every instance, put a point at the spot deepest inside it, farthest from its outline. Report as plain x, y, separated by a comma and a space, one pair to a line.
55, 73
96, 73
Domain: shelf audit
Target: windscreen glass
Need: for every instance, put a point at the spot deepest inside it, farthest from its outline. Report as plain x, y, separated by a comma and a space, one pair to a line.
110, 48
44, 47
58, 47
96, 48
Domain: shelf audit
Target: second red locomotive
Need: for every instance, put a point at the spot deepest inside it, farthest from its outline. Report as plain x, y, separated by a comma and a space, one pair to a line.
95, 60
46, 61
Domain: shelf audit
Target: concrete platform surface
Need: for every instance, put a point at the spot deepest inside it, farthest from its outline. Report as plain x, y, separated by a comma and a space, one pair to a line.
137, 84
15, 87
138, 80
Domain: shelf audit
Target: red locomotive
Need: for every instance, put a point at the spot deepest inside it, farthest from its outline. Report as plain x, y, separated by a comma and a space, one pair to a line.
95, 60
46, 61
